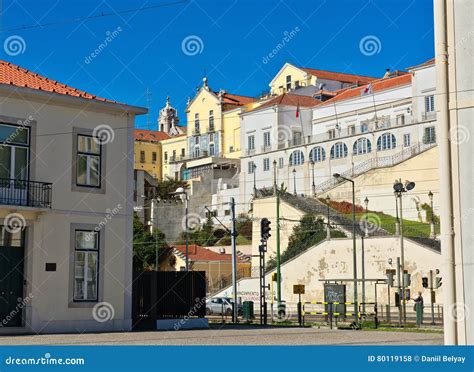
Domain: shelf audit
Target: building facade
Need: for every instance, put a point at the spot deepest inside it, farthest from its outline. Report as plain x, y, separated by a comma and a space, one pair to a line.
66, 211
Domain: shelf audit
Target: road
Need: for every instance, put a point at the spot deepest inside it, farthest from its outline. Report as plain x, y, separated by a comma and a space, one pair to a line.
228, 335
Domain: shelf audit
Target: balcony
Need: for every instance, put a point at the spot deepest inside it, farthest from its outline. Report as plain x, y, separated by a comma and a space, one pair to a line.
428, 116
267, 148
25, 193
250, 152
196, 131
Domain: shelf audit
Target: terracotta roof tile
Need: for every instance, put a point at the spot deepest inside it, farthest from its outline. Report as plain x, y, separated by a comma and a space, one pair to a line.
198, 253
288, 99
377, 86
149, 135
340, 76
11, 74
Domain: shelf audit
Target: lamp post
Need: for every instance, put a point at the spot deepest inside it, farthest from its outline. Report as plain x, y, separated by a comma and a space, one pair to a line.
354, 252
274, 177
182, 191
366, 201
278, 257
294, 181
432, 225
397, 220
328, 229
399, 188
314, 185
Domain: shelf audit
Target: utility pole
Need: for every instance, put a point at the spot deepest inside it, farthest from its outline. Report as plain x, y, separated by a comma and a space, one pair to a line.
363, 276
399, 293
234, 260
402, 248
432, 297
278, 263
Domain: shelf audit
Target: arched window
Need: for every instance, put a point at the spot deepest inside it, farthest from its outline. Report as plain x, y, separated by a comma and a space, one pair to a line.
338, 150
317, 154
362, 146
296, 158
386, 141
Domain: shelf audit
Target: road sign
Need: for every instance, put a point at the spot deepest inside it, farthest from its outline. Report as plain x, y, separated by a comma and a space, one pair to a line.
298, 288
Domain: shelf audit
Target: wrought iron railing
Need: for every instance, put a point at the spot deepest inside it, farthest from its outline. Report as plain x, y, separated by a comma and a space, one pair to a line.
25, 193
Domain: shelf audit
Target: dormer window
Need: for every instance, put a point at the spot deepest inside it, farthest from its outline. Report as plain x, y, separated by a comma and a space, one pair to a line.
288, 83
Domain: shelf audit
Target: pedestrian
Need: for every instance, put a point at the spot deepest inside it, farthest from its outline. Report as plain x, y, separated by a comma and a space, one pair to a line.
418, 307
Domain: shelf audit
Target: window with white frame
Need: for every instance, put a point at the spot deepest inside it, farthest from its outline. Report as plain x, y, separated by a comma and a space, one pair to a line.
339, 150
429, 103
89, 152
197, 152
196, 140
266, 139
251, 142
400, 119
266, 164
364, 127
406, 140
317, 154
86, 265
362, 146
211, 120
211, 137
296, 158
196, 122
288, 83
429, 135
351, 130
211, 149
281, 162
331, 133
386, 141
251, 167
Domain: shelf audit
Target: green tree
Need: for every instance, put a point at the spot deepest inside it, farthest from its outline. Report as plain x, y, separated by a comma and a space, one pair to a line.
168, 186
144, 246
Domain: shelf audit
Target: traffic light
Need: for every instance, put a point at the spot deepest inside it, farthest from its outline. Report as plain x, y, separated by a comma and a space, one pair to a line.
265, 228
397, 299
439, 283
407, 279
424, 281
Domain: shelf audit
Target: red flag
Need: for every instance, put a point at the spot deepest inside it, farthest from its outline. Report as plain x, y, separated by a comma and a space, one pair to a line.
298, 111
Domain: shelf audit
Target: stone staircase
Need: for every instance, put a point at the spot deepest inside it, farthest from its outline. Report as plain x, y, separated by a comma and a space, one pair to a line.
339, 220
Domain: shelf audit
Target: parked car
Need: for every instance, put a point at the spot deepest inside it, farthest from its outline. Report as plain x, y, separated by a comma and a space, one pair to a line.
221, 306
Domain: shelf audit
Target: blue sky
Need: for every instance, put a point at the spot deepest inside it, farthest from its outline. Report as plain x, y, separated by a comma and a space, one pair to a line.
233, 38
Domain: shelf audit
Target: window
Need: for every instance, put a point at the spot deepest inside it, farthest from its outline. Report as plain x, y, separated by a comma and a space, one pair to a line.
266, 139
364, 128
297, 84
196, 140
386, 141
296, 158
165, 156
153, 157
400, 119
251, 167
297, 138
196, 123
362, 146
174, 155
183, 152
429, 103
211, 137
231, 148
88, 161
406, 140
211, 149
281, 163
251, 142
338, 150
317, 154
351, 130
14, 154
211, 120
86, 264
288, 83
331, 133
266, 164
197, 152
430, 135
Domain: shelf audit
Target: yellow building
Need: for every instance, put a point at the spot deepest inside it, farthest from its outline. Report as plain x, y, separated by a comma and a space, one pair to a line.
173, 150
148, 151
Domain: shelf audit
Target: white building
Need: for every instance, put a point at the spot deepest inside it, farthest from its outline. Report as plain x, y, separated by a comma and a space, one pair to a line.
66, 202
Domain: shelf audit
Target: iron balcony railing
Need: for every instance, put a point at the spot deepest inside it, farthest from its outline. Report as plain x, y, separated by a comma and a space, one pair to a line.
25, 193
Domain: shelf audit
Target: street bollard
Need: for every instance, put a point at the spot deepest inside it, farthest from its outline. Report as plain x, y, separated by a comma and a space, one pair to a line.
419, 314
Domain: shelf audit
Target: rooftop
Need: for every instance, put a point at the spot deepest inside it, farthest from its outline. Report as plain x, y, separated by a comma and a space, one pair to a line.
198, 253
339, 76
149, 135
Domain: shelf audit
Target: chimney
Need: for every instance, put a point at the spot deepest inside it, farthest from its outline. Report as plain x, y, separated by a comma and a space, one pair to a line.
387, 73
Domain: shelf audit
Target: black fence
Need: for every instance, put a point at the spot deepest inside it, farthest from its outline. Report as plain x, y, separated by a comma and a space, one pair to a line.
25, 193
167, 295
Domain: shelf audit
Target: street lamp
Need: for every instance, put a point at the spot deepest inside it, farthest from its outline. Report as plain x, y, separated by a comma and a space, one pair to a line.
328, 231
294, 181
274, 177
182, 191
366, 201
399, 188
354, 252
314, 185
432, 225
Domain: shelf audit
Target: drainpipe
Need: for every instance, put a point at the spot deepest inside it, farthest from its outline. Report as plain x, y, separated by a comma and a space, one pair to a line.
445, 182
